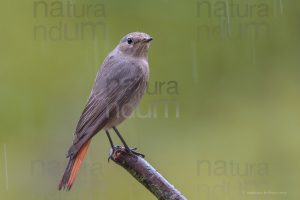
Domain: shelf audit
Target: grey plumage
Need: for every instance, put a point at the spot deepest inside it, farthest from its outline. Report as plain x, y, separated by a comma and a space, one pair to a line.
117, 90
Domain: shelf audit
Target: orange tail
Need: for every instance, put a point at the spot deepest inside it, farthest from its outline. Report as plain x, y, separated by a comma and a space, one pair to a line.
73, 168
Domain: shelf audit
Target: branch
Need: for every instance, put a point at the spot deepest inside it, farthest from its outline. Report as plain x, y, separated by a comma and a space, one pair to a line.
143, 172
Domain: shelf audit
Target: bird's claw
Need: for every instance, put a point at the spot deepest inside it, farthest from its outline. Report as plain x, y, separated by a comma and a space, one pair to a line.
134, 152
111, 152
129, 150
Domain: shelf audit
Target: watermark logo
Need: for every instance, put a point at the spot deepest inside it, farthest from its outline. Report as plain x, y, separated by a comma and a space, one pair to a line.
231, 168
164, 102
233, 19
52, 168
68, 20
231, 179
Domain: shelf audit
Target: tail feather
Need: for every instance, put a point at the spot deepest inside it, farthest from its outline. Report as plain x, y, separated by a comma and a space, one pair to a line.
73, 168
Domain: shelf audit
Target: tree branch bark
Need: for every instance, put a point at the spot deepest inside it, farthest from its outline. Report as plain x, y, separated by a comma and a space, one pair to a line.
143, 172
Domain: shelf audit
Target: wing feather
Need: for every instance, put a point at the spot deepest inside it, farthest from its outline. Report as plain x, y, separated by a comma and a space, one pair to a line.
114, 86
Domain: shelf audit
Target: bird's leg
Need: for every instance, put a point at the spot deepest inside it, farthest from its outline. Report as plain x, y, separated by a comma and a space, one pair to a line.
130, 150
111, 143
121, 138
109, 139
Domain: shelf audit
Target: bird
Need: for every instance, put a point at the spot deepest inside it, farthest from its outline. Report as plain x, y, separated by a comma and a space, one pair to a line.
118, 88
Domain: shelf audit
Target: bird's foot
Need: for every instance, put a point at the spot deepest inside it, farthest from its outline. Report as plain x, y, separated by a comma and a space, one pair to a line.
113, 148
134, 152
129, 150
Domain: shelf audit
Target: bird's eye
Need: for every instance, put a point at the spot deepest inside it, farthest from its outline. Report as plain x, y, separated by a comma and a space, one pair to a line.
129, 41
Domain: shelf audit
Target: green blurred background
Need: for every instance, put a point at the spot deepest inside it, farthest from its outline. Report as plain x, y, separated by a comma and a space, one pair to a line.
223, 124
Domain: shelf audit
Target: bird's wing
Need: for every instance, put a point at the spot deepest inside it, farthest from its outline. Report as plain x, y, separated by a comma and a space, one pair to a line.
114, 86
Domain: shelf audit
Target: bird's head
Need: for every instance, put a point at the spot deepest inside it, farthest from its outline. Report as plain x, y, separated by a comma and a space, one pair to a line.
135, 44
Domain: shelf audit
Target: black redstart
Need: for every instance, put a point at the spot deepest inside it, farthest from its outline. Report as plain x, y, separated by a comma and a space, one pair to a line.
120, 84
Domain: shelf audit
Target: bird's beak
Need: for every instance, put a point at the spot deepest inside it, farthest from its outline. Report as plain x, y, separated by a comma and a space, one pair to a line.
148, 39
